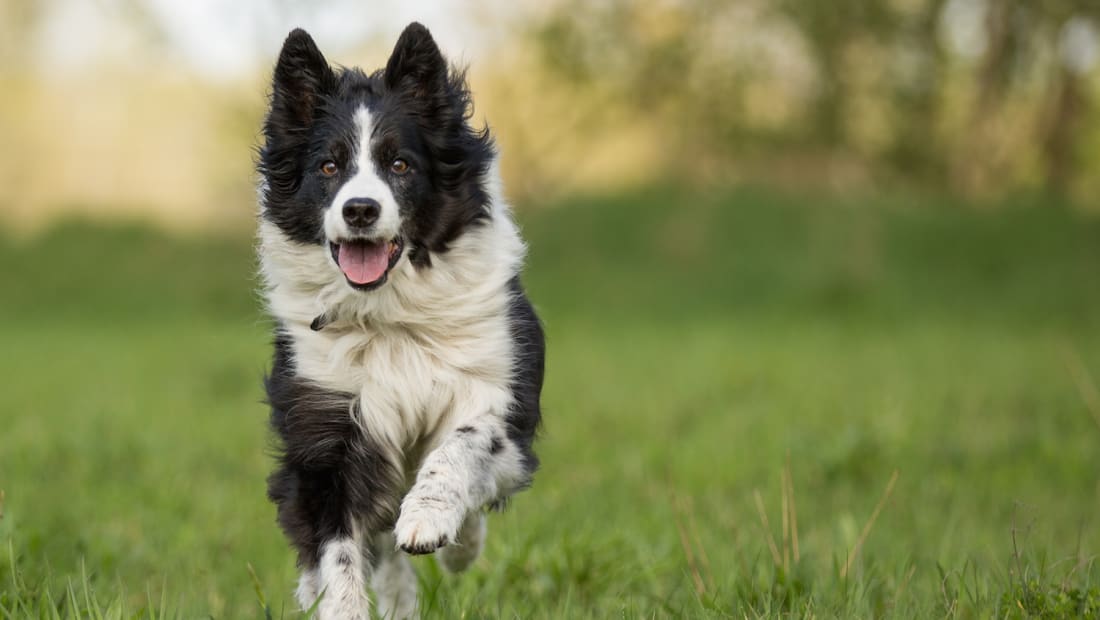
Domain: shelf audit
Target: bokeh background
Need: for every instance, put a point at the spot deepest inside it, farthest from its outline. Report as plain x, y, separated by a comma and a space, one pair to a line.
819, 278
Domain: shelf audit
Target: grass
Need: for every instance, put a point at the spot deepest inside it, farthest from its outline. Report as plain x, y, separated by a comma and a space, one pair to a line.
757, 405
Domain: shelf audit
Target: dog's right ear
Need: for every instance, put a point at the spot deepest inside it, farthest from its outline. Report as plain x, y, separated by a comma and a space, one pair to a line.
302, 77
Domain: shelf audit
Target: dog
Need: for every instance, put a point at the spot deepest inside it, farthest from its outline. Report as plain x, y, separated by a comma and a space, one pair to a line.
408, 361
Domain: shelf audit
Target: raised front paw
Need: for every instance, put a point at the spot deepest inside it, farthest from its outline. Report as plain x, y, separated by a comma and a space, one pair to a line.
426, 524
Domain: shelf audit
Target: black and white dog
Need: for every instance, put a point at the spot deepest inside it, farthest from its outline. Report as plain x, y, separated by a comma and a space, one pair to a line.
408, 362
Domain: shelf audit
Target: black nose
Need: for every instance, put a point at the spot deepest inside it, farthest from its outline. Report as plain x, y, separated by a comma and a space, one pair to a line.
361, 212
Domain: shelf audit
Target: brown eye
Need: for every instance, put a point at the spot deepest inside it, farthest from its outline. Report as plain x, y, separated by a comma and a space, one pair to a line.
399, 166
329, 168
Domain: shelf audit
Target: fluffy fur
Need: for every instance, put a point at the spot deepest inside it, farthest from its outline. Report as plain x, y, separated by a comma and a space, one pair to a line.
404, 401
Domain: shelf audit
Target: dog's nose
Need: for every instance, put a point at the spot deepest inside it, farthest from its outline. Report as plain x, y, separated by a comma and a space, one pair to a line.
361, 212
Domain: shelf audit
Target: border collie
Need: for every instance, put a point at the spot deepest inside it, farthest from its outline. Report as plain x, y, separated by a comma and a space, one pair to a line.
408, 363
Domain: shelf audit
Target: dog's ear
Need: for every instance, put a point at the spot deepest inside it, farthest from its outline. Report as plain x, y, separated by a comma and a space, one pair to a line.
416, 62
302, 77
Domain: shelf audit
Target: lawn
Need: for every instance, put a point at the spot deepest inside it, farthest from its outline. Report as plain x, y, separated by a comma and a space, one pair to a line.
909, 384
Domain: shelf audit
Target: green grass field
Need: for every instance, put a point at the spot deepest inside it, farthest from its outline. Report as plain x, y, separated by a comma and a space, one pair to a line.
700, 344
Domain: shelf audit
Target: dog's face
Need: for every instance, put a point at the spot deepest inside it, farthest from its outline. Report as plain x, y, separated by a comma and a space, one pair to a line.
372, 168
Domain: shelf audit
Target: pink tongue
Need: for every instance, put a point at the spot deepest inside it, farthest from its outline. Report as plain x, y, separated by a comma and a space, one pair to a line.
363, 263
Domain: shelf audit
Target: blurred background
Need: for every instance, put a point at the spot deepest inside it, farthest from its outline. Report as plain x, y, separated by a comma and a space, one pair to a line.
145, 107
784, 249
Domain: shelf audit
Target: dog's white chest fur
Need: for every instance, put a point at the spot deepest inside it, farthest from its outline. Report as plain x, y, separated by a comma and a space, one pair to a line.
412, 382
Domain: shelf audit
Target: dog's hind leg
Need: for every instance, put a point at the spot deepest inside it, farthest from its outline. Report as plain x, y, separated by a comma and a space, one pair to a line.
393, 580
458, 556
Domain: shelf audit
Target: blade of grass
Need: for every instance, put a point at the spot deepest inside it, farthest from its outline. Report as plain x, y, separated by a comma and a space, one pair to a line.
696, 577
767, 528
703, 559
785, 517
794, 512
870, 523
87, 595
70, 597
259, 591
52, 606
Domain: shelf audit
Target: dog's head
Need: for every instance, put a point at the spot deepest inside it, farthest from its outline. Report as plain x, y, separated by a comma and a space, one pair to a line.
372, 168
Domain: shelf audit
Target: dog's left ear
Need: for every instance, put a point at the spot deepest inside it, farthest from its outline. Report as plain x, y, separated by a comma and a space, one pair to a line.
416, 62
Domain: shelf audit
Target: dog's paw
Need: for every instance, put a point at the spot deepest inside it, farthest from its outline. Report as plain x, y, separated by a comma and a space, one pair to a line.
425, 526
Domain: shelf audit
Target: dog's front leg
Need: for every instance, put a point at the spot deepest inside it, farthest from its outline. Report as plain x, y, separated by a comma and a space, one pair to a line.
334, 487
475, 464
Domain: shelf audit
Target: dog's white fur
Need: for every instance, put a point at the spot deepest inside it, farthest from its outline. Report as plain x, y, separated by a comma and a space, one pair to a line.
366, 182
428, 352
341, 576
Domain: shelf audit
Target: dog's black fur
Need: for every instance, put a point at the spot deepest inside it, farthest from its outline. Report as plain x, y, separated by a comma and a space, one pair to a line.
328, 470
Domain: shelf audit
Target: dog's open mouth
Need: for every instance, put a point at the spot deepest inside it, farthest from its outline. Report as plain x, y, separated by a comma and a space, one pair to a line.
366, 263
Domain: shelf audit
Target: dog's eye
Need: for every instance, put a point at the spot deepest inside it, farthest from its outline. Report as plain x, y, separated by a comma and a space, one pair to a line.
399, 166
329, 168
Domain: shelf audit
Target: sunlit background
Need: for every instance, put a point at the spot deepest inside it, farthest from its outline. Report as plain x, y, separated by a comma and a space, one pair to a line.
821, 281
148, 108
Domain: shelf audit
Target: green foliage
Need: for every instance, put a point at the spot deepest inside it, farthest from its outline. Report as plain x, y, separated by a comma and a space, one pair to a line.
901, 91
699, 342
1037, 600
